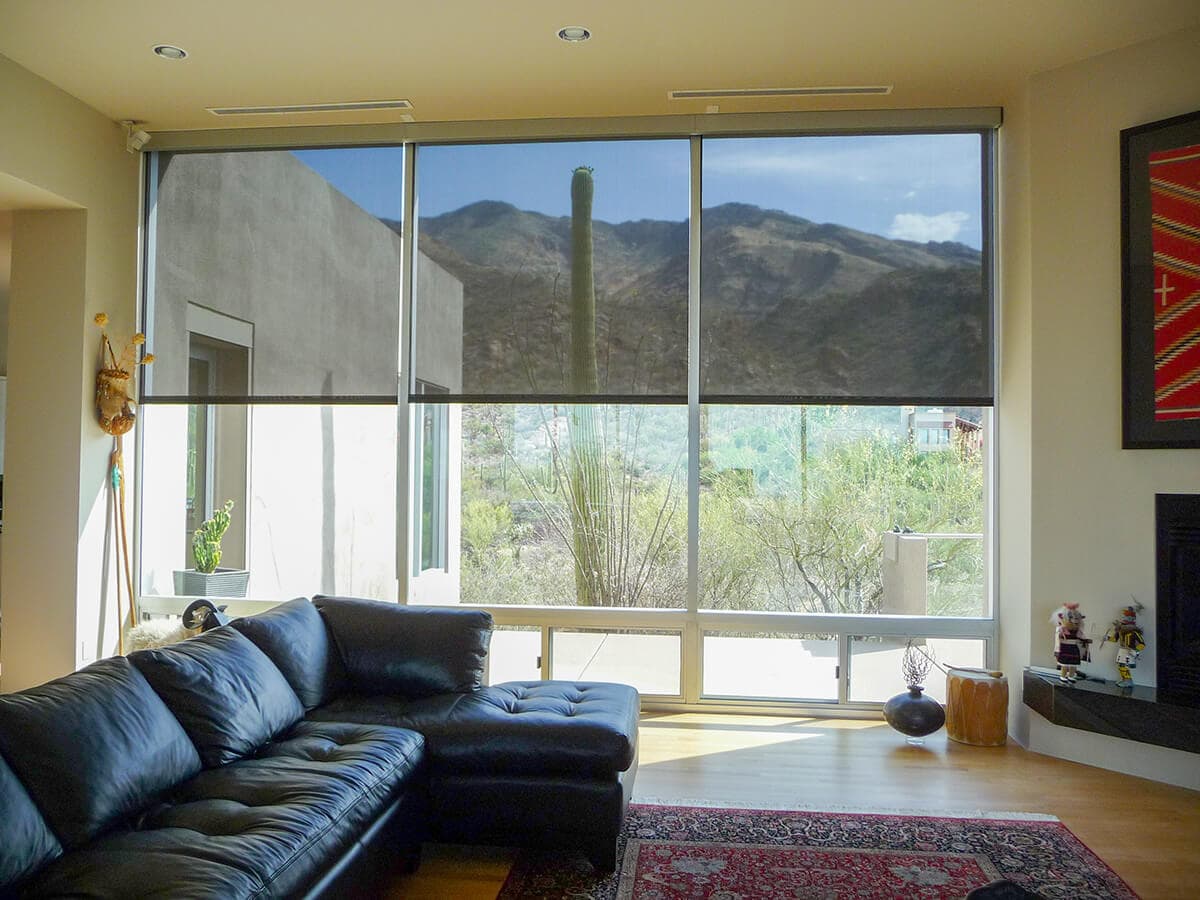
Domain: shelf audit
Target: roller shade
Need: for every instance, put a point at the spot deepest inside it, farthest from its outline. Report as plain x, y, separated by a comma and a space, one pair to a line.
274, 275
553, 271
846, 269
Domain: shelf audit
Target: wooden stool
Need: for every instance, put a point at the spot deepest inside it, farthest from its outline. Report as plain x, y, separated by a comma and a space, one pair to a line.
977, 707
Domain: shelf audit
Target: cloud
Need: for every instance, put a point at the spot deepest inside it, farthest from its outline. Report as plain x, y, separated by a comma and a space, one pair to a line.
921, 228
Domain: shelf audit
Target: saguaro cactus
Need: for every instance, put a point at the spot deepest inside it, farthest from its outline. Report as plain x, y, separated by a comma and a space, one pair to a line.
588, 483
583, 287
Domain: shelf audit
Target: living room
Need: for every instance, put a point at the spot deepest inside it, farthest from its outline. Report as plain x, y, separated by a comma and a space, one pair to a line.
1066, 514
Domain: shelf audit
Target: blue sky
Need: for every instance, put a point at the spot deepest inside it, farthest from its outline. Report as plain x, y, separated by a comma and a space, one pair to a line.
916, 187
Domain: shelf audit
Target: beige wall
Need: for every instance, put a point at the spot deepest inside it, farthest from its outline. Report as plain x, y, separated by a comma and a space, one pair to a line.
1014, 403
66, 266
1091, 516
5, 277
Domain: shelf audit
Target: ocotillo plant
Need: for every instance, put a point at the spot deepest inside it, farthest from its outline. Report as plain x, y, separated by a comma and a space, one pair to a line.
206, 542
588, 514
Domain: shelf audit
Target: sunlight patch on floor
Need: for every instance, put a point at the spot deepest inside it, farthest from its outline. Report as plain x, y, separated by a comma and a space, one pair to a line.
698, 735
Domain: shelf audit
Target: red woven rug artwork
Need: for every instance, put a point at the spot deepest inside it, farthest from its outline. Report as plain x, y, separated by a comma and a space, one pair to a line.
694, 853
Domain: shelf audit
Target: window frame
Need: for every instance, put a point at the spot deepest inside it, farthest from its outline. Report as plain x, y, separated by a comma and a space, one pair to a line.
435, 417
692, 622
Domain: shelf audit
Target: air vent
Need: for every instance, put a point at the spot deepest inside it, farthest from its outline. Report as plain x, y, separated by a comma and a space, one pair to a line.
354, 106
782, 92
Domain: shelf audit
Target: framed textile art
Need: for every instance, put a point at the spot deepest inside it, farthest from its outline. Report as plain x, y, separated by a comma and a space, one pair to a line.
1160, 283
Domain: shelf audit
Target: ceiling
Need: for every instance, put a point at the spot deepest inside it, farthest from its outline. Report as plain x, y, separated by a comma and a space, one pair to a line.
471, 59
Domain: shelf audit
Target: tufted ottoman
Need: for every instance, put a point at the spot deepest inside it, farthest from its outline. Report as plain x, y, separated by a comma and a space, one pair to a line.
526, 763
537, 763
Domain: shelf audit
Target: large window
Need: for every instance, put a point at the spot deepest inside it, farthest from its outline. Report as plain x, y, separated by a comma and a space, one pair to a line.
546, 521
711, 415
273, 302
841, 510
572, 258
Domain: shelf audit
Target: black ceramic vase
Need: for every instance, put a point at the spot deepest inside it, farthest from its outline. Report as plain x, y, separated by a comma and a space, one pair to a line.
913, 714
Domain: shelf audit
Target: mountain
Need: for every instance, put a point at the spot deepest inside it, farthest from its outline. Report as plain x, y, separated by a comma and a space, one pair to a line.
788, 306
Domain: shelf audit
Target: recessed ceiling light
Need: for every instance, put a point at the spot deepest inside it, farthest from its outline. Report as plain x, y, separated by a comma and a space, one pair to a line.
574, 34
170, 51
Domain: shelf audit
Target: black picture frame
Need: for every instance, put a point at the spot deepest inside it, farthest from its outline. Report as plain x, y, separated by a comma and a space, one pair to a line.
1140, 428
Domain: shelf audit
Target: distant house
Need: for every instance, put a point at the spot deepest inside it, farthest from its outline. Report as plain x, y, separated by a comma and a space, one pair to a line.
937, 430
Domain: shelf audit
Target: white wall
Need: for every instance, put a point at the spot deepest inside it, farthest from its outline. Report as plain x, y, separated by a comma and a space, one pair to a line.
66, 266
1091, 516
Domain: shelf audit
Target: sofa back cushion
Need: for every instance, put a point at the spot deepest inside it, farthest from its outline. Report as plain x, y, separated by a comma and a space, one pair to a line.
296, 639
225, 692
28, 843
93, 747
408, 651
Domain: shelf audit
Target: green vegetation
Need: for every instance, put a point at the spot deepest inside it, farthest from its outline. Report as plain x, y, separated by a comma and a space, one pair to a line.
206, 542
812, 541
793, 507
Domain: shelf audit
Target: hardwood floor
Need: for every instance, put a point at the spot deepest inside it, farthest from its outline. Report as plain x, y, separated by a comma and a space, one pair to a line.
1148, 832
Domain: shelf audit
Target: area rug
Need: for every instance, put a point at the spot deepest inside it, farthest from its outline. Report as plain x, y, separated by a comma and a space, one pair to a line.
693, 853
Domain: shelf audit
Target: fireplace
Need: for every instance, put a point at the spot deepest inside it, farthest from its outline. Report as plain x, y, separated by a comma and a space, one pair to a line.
1177, 519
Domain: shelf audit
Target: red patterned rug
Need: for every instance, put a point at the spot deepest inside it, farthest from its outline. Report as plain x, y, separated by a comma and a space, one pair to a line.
690, 853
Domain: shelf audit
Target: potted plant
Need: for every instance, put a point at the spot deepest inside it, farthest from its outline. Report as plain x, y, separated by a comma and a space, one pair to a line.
208, 579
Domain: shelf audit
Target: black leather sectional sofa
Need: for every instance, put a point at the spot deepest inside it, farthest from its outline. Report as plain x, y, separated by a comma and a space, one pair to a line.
301, 753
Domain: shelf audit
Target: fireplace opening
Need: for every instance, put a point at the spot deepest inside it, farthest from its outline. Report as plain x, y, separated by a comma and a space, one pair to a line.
1177, 602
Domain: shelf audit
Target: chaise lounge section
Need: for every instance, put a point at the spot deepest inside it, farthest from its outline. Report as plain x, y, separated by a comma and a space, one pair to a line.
302, 753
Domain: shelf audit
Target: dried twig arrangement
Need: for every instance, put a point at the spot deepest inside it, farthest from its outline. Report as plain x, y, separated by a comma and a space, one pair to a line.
916, 664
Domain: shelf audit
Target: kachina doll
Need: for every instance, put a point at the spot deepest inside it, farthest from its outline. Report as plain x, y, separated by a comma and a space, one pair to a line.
1127, 634
1070, 646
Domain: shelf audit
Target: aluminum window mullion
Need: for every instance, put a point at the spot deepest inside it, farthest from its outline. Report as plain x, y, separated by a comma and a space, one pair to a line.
843, 680
991, 470
148, 202
692, 652
405, 430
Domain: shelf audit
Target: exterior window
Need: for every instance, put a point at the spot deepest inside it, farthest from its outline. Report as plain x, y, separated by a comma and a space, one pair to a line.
217, 436
273, 302
431, 492
572, 366
524, 537
835, 510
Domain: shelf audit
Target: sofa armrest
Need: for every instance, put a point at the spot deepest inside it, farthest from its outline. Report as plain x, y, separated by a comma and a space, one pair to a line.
409, 651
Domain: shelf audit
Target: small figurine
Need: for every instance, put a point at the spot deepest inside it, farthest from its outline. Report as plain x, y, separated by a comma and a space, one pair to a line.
1070, 646
1127, 634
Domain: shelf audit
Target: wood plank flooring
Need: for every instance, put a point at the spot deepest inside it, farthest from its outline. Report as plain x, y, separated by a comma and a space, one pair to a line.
1148, 832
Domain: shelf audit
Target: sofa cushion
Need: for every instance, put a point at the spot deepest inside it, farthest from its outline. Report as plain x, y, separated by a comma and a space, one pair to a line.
296, 639
226, 693
267, 826
409, 651
519, 728
93, 747
146, 865
28, 843
423, 714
